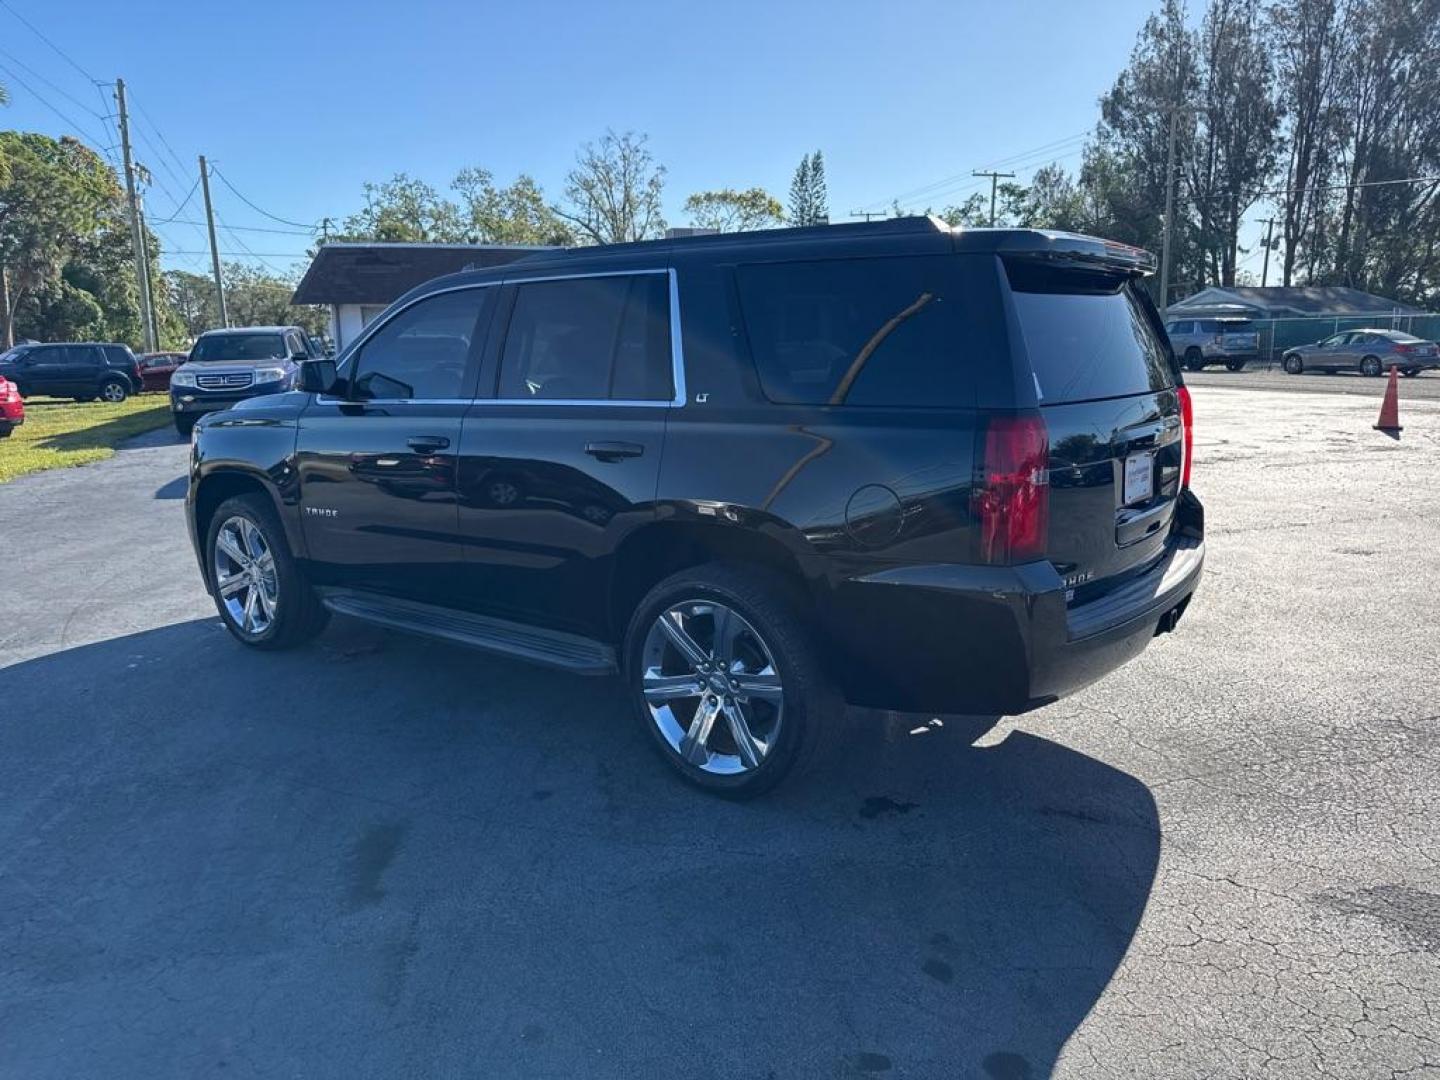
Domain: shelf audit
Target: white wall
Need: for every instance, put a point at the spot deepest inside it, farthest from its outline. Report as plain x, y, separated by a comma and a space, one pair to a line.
347, 320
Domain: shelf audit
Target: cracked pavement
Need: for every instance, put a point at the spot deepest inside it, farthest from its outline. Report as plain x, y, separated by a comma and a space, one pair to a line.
378, 856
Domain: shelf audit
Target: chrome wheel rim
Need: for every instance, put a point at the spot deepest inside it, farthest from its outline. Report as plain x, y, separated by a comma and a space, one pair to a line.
1370, 367
712, 688
113, 392
245, 575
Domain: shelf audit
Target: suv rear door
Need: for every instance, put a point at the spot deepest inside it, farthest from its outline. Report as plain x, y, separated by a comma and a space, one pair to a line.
1108, 395
560, 453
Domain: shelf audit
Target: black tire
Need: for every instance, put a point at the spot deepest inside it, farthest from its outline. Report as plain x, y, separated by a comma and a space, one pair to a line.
811, 715
1370, 366
299, 615
1234, 365
114, 390
184, 425
1293, 364
85, 398
1410, 372
1194, 359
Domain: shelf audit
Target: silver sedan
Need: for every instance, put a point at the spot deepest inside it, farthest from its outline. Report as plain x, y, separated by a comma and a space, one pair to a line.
1370, 352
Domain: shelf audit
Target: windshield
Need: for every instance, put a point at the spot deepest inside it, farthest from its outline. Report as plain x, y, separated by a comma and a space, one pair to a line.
240, 347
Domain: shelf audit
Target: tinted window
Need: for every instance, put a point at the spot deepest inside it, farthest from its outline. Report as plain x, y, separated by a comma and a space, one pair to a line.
423, 352
589, 339
239, 347
1085, 345
1182, 327
877, 332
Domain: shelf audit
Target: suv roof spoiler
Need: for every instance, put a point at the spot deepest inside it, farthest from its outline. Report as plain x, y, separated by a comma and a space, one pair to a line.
1074, 250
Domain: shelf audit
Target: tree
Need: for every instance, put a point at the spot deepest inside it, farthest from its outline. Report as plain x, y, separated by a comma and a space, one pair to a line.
727, 210
254, 297
809, 201
1235, 149
54, 195
517, 214
613, 193
404, 209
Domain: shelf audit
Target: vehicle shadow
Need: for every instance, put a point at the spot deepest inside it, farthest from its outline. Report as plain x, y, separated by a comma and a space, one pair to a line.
173, 489
378, 856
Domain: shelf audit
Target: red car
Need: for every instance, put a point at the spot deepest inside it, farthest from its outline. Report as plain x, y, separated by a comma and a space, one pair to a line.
12, 409
157, 367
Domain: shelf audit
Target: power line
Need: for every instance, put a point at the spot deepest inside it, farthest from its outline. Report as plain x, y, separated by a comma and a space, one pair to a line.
58, 89
59, 51
78, 128
175, 216
250, 228
263, 213
936, 187
161, 136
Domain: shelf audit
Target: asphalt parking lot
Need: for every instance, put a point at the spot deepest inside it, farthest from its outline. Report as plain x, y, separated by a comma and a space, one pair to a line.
381, 857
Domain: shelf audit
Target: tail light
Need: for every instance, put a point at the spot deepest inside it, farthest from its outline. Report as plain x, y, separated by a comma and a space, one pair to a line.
1012, 502
1187, 434
1402, 347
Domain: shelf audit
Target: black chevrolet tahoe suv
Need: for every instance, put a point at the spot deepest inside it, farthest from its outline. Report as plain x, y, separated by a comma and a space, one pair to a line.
892, 463
83, 370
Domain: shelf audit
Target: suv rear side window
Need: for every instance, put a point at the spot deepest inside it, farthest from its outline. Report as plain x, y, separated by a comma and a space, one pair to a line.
589, 339
1087, 342
883, 332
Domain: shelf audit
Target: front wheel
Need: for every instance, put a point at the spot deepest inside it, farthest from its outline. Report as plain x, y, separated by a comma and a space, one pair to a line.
1370, 366
1411, 372
1293, 364
263, 596
184, 425
726, 679
1194, 359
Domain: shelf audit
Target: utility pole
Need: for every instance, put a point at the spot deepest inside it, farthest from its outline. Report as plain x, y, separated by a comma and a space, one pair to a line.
214, 248
1269, 224
150, 323
995, 178
137, 233
1169, 212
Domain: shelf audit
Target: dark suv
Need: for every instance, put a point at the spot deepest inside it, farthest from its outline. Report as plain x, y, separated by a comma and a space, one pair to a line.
80, 370
226, 366
912, 467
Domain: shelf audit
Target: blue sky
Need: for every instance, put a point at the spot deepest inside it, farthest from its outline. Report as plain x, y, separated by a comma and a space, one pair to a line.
299, 103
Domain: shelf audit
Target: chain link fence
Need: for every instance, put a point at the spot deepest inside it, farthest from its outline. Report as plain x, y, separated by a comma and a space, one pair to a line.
1277, 335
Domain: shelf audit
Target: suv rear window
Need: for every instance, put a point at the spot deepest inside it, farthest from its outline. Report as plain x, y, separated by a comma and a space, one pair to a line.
883, 332
240, 347
1084, 345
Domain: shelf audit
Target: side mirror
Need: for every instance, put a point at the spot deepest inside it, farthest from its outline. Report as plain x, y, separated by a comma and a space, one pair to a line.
318, 376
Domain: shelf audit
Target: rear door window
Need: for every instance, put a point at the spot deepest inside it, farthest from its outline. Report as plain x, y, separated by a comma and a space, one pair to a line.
603, 338
882, 332
1083, 345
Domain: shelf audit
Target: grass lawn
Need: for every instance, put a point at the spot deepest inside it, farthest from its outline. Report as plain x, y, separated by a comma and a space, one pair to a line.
58, 434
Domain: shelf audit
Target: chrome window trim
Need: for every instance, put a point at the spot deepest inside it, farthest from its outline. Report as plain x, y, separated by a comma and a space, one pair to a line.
677, 350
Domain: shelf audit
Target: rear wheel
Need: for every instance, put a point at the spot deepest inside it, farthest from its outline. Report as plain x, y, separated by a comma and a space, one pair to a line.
114, 390
726, 679
1370, 366
1293, 364
1411, 372
1194, 359
85, 397
262, 595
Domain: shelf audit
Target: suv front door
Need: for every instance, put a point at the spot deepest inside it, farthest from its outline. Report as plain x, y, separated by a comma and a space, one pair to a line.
377, 462
560, 454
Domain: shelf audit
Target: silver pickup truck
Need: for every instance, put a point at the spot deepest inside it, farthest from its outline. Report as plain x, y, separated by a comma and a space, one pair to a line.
1198, 342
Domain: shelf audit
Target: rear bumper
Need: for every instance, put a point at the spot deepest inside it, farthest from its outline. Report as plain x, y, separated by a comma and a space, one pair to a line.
1002, 640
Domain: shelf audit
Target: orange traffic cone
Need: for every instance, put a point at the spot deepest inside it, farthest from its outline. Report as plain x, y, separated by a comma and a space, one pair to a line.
1390, 407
